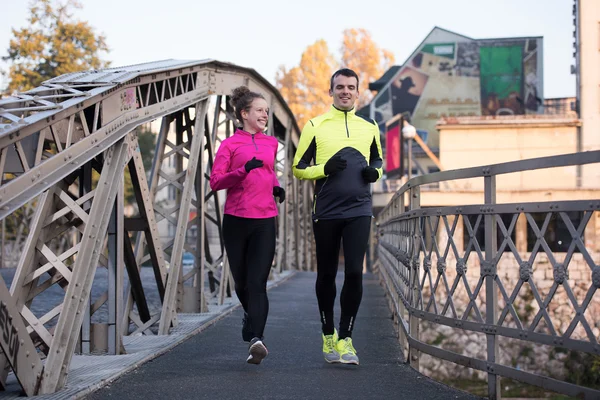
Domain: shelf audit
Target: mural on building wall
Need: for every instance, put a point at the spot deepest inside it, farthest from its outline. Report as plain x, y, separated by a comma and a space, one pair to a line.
406, 90
456, 76
501, 80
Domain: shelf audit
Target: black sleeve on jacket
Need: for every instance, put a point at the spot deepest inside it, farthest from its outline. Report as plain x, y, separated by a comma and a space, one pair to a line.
375, 159
309, 155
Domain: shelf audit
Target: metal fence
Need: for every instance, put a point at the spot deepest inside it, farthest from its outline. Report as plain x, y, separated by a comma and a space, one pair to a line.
432, 279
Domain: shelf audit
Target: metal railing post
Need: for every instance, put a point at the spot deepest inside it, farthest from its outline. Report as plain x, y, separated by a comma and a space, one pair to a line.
414, 204
491, 295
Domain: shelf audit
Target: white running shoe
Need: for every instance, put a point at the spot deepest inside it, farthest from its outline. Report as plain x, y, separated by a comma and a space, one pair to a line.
257, 351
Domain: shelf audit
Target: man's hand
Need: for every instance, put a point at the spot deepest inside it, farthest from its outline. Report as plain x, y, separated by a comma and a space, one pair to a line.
279, 192
335, 164
254, 163
370, 174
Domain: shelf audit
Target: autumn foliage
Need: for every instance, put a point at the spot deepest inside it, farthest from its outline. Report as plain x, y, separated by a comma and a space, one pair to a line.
306, 87
53, 44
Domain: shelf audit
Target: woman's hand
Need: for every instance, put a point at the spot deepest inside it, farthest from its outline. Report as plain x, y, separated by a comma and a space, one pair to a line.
254, 163
279, 192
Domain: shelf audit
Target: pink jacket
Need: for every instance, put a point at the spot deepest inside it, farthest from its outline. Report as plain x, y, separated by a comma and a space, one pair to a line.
249, 194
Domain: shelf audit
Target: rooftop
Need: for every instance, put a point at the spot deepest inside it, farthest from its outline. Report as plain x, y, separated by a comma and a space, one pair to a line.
527, 119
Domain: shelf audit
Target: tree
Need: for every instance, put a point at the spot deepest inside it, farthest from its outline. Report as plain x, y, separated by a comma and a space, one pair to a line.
287, 82
54, 43
306, 86
361, 54
147, 143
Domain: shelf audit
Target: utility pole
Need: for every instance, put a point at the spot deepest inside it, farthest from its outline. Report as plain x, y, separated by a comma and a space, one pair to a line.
576, 70
409, 132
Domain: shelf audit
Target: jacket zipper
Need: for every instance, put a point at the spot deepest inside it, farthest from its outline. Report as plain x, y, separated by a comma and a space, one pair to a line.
254, 143
317, 196
346, 118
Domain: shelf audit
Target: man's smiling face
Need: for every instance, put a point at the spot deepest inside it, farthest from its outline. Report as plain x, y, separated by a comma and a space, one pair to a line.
344, 92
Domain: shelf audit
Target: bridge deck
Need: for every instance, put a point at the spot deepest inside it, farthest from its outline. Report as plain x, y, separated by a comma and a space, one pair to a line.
211, 364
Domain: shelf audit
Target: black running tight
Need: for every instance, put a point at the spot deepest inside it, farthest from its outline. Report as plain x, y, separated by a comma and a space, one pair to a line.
250, 246
354, 232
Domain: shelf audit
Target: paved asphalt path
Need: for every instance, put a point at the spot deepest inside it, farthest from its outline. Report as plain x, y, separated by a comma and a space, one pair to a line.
211, 364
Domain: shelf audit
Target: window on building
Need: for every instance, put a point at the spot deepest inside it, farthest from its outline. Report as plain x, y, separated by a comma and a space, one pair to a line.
192, 234
172, 192
480, 231
431, 170
557, 235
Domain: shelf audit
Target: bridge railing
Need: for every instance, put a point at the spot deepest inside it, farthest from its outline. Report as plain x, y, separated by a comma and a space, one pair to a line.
469, 284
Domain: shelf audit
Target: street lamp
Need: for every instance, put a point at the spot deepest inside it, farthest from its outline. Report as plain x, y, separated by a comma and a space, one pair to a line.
409, 132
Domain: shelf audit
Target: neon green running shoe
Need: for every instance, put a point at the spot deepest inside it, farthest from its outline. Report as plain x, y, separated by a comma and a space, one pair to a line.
346, 351
329, 351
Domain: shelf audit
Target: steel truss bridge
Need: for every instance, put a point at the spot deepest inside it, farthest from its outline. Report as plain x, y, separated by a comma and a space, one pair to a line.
67, 147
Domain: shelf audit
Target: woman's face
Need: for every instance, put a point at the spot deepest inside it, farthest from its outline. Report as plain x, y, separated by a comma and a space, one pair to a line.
256, 118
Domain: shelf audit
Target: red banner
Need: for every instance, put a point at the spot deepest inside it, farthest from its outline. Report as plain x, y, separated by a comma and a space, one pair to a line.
393, 150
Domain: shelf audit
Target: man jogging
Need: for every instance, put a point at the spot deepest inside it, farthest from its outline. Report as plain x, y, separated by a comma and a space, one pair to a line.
346, 153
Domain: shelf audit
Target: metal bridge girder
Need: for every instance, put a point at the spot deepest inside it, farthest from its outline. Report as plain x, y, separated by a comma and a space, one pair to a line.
65, 338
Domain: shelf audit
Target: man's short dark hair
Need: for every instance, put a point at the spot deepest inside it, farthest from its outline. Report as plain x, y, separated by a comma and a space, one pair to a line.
344, 72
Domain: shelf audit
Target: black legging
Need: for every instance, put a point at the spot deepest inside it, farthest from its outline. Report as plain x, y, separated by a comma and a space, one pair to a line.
355, 235
250, 246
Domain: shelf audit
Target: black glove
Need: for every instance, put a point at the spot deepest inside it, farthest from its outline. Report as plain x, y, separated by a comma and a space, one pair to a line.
370, 174
335, 164
279, 192
254, 163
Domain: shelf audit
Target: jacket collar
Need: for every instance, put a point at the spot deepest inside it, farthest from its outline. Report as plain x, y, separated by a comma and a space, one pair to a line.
243, 132
337, 112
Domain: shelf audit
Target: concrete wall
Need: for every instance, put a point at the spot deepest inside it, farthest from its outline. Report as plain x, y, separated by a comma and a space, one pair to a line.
473, 142
589, 56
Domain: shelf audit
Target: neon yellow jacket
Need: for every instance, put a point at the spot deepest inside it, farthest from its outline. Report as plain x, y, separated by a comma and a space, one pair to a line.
354, 138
